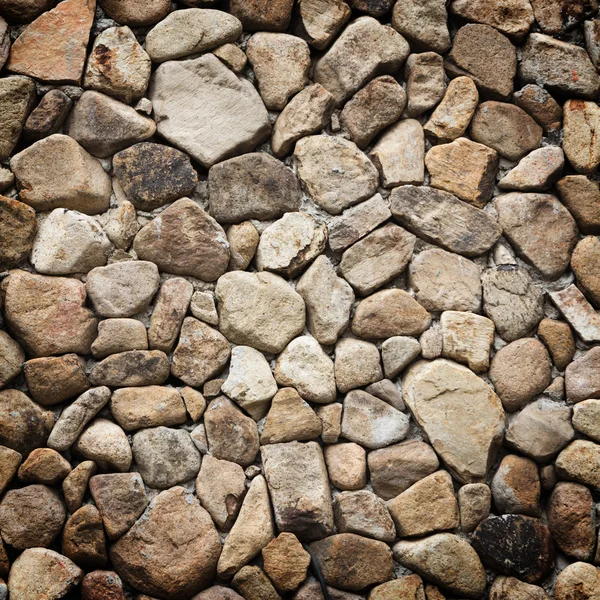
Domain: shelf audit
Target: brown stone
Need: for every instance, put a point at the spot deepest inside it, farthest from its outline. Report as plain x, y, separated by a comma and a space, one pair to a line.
388, 313
53, 47
24, 11
17, 229
580, 143
175, 530
9, 465
571, 520
363, 513
285, 562
516, 487
74, 486
409, 587
465, 169
582, 197
474, 500
31, 516
253, 584
424, 23
52, 380
578, 581
558, 336
582, 377
263, 15
133, 368
48, 116
352, 562
102, 585
584, 263
11, 358
184, 240
106, 444
425, 82
45, 466
510, 588
488, 57
513, 18
539, 103
346, 466
320, 20
83, 538
136, 13
579, 462
24, 426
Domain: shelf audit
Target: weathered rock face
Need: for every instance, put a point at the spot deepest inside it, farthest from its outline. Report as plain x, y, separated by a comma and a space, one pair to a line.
468, 436
174, 527
17, 227
206, 88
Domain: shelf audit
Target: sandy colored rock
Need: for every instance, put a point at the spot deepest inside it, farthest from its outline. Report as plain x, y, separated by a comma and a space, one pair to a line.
11, 358
581, 120
579, 462
346, 466
174, 530
120, 224
17, 98
192, 31
53, 47
512, 300
371, 422
120, 498
551, 62
231, 435
290, 419
103, 125
331, 419
579, 581
520, 371
132, 369
538, 171
119, 335
388, 313
397, 352
74, 486
106, 444
516, 487
118, 66
17, 226
540, 104
299, 489
11, 459
352, 562
233, 56
379, 104
307, 113
31, 516
559, 339
505, 588
451, 118
265, 15
409, 587
446, 560
465, 169
585, 418
387, 391
467, 338
321, 20
578, 312
357, 364
193, 102
335, 172
311, 590
363, 513
474, 500
83, 538
40, 568
363, 50
184, 240
582, 380
423, 23
58, 172
243, 241
44, 465
479, 424
135, 13
259, 310
513, 18
425, 82
252, 582
441, 218
151, 174
399, 154
252, 531
285, 562
378, 258
281, 63
584, 265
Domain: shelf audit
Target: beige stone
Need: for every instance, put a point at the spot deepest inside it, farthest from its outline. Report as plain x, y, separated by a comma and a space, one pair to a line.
511, 588
425, 82
243, 241
513, 18
423, 23
252, 582
558, 336
474, 500
346, 466
397, 352
233, 56
119, 335
584, 265
581, 377
357, 363
106, 444
44, 465
331, 420
586, 418
133, 368
322, 20
538, 171
363, 513
516, 487
74, 486
285, 562
579, 581
578, 312
579, 462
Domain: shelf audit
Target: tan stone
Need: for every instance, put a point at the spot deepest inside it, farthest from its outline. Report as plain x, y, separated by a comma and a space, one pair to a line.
194, 401
452, 117
346, 466
322, 20
584, 263
233, 56
423, 23
586, 418
582, 379
425, 82
409, 587
513, 18
106, 444
388, 313
132, 369
17, 227
44, 465
465, 169
511, 588
538, 171
9, 465
285, 562
582, 197
578, 312
331, 420
558, 336
74, 486
83, 538
467, 338
243, 241
263, 15
135, 13
474, 500
516, 487
357, 363
579, 462
254, 584
578, 581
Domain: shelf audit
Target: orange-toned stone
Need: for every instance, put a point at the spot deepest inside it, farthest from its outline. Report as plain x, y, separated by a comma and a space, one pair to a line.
53, 47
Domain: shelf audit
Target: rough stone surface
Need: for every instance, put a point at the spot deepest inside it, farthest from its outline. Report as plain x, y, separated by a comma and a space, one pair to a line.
423, 23
425, 82
582, 380
578, 312
285, 562
579, 462
585, 418
516, 487
106, 444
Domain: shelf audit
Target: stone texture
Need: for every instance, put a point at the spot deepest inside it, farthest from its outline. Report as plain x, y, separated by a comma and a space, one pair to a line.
372, 422
570, 520
540, 104
582, 379
252, 186
285, 562
516, 487
538, 171
346, 466
133, 368
585, 418
243, 241
399, 154
352, 562
120, 224
11, 459
555, 63
397, 352
364, 50
57, 172
174, 530
377, 105
103, 125
53, 47
386, 390
281, 63
48, 116
232, 56
11, 358
423, 23
74, 486
468, 438
377, 259
263, 14
579, 462
44, 465
321, 20
17, 227
583, 263
446, 560
474, 500
231, 435
308, 112
120, 498
425, 82
259, 310
541, 430
357, 364
184, 240
106, 444
254, 584
119, 335
102, 584
506, 128
151, 174
131, 12
191, 31
83, 538
118, 66
363, 513
427, 506
252, 531
504, 588
512, 300
515, 545
31, 516
487, 57
578, 312
452, 117
581, 121
513, 18
17, 98
578, 581
441, 218
389, 313
335, 172
299, 489
192, 103
520, 371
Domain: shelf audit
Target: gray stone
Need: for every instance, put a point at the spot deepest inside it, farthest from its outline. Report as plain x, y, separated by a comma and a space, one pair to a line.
424, 23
